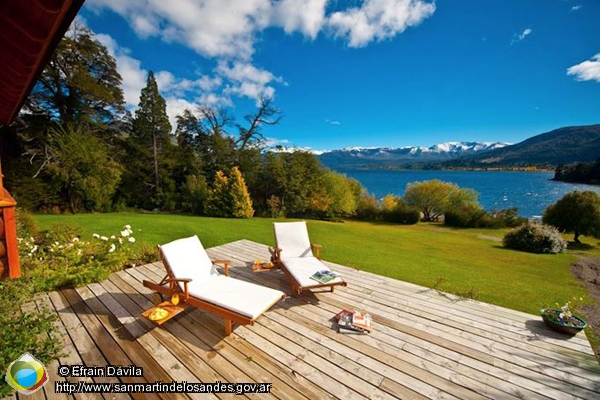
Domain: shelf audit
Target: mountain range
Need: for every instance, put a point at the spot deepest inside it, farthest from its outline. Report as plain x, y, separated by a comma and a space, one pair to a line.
560, 146
363, 157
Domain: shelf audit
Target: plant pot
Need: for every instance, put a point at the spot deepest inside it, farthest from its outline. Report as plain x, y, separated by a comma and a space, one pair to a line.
560, 326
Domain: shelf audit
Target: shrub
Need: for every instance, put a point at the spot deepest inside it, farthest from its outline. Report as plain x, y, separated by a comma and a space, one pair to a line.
535, 238
194, 193
465, 217
27, 331
26, 225
367, 208
475, 217
509, 217
402, 214
275, 207
59, 258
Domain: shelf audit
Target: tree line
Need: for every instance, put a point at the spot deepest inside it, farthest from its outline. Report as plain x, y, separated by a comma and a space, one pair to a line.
76, 148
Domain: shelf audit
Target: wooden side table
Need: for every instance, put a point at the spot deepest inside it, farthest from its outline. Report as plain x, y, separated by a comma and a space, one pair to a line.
263, 266
171, 309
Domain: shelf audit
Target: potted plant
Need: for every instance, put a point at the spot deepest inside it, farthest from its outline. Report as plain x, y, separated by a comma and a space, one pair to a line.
562, 319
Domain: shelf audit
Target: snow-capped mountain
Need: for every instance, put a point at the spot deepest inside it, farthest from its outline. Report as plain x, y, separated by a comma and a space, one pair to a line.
362, 156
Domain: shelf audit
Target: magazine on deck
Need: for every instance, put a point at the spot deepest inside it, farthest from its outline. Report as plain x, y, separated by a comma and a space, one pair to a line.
353, 322
324, 276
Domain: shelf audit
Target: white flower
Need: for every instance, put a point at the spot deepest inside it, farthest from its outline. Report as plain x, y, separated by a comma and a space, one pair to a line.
125, 233
127, 226
113, 237
75, 240
56, 243
103, 238
96, 236
131, 239
112, 248
120, 240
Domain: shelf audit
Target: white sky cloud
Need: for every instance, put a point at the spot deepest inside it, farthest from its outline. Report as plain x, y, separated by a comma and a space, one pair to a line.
576, 8
332, 122
519, 37
305, 16
226, 31
229, 28
377, 20
588, 70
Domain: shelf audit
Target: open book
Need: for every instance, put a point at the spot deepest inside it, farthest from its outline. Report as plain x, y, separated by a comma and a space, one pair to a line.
353, 322
324, 276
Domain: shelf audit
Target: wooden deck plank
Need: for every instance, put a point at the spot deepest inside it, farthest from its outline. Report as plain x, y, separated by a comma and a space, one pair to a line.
174, 367
237, 351
425, 345
43, 305
71, 350
329, 331
187, 331
484, 367
153, 371
488, 390
589, 362
587, 383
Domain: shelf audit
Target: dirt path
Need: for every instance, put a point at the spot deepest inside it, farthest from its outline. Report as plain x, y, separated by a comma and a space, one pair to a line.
587, 270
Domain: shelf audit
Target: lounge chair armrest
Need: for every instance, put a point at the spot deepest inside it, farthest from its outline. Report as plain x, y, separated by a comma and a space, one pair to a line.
184, 280
173, 284
316, 248
275, 254
225, 264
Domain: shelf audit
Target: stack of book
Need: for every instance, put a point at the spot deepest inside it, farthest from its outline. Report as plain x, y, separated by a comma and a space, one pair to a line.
353, 322
324, 276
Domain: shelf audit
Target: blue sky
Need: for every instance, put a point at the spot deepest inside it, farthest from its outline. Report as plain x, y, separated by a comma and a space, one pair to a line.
366, 73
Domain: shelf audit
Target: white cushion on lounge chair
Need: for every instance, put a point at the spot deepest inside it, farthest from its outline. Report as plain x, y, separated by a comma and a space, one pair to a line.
236, 295
302, 268
188, 259
292, 239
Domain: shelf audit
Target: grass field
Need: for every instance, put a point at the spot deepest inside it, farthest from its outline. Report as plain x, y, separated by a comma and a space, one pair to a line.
465, 261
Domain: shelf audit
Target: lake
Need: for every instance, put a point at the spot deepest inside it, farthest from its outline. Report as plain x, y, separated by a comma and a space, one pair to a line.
530, 192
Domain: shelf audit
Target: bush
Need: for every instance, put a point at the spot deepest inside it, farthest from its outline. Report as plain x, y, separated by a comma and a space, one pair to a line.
535, 238
402, 214
509, 217
26, 225
59, 258
475, 217
367, 208
26, 331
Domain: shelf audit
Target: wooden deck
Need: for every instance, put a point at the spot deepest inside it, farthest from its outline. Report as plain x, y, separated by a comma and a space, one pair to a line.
425, 345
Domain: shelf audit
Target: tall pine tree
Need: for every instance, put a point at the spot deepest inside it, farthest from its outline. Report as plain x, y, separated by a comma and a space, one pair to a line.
151, 133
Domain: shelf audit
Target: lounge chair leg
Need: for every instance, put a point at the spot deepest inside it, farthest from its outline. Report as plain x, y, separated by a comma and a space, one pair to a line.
228, 327
332, 289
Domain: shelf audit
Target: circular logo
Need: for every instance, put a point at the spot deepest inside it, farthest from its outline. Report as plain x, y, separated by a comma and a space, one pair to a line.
26, 374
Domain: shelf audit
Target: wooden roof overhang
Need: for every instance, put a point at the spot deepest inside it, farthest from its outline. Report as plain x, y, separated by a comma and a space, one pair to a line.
30, 31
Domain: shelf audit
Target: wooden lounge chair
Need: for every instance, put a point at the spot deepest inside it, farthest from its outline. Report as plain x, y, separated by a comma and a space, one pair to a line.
190, 271
294, 255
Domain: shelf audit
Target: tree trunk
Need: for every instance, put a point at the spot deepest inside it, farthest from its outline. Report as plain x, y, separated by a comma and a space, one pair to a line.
155, 150
576, 238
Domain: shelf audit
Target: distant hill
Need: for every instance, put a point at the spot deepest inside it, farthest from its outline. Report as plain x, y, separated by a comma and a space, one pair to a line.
386, 157
560, 146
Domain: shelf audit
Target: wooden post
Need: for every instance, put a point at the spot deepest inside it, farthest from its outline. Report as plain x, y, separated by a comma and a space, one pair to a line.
9, 246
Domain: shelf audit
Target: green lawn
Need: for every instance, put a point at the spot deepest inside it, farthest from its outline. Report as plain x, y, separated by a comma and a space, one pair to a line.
467, 259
